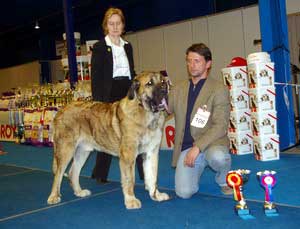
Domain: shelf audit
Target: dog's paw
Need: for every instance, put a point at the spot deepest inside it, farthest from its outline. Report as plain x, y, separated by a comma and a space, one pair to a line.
53, 200
83, 193
160, 196
133, 203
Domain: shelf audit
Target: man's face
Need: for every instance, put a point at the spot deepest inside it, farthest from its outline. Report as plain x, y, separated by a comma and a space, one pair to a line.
197, 65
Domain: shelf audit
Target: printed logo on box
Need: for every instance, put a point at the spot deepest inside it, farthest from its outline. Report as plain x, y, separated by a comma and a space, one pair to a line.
241, 142
262, 99
239, 121
264, 123
266, 148
239, 99
235, 77
261, 74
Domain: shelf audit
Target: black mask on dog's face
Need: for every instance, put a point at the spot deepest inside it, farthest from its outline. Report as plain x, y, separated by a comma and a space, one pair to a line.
152, 92
133, 89
160, 96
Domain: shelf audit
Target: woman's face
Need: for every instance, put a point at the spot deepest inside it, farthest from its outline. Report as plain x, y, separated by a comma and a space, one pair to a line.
115, 25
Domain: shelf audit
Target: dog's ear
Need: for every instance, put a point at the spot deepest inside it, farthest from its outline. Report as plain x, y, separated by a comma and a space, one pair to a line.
133, 89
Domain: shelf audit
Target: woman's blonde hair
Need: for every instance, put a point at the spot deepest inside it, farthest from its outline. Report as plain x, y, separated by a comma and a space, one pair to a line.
111, 11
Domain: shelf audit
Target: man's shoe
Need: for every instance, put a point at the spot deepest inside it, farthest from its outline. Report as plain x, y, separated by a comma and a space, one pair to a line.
226, 190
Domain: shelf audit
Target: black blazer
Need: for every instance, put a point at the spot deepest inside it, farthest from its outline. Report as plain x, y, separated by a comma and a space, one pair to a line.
102, 69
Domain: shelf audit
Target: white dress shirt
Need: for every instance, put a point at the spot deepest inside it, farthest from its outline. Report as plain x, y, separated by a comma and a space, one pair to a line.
120, 60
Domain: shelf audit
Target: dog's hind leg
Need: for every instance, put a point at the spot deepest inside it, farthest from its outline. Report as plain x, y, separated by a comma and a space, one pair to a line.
79, 159
54, 163
62, 163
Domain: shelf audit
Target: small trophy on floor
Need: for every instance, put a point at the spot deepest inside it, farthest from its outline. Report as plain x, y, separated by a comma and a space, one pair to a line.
268, 180
236, 179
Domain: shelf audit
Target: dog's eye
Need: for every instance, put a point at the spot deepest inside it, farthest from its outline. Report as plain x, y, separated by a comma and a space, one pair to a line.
149, 83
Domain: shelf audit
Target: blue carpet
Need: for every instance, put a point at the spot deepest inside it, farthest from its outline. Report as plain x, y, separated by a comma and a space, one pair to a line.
105, 211
6, 170
26, 181
287, 168
28, 191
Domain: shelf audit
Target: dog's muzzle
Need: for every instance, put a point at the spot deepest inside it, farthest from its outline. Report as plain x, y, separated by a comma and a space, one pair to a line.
159, 102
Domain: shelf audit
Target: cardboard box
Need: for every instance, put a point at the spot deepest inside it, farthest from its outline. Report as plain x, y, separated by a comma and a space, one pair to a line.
262, 99
235, 77
266, 147
261, 74
264, 123
241, 142
239, 99
240, 120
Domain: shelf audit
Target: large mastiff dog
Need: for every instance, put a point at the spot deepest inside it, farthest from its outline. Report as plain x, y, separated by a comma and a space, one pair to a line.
124, 128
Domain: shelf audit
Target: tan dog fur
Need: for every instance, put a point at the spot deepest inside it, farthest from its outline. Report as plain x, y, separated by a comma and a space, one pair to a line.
125, 129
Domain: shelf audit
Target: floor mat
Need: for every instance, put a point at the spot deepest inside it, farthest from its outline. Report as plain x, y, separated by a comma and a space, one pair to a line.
285, 192
106, 210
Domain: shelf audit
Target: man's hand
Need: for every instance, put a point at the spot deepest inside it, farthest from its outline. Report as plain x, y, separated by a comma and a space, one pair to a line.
191, 156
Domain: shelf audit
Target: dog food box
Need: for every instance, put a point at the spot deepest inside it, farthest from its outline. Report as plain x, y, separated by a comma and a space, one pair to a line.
264, 123
241, 142
266, 147
262, 99
240, 120
239, 99
235, 77
261, 74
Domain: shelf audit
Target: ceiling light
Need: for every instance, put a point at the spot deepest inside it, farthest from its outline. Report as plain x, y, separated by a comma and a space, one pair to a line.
36, 25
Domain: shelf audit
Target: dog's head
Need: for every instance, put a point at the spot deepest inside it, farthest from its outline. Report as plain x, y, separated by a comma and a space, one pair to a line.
151, 90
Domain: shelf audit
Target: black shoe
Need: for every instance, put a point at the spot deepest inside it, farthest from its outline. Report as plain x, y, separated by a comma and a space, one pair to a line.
102, 181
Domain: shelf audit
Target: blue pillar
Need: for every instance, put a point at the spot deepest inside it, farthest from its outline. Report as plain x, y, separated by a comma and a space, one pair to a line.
274, 35
68, 16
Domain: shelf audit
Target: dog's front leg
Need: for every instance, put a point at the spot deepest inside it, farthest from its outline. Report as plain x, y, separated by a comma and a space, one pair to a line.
127, 165
150, 169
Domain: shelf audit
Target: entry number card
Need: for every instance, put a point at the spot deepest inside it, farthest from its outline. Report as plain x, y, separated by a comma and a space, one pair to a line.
201, 117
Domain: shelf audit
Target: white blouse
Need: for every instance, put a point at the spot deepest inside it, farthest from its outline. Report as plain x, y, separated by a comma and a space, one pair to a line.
120, 60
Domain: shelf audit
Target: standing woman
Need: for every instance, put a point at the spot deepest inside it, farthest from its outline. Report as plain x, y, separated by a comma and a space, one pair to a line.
112, 73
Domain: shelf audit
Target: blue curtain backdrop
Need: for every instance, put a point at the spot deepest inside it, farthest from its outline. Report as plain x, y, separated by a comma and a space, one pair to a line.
274, 34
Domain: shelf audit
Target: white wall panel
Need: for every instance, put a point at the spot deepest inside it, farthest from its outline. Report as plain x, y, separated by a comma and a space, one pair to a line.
251, 28
20, 76
151, 49
177, 38
226, 39
200, 30
292, 6
132, 38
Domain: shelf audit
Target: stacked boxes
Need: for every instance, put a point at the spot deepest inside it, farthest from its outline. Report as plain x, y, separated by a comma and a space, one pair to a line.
262, 98
262, 104
239, 130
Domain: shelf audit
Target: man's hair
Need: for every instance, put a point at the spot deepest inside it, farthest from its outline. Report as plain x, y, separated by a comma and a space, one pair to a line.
111, 11
201, 49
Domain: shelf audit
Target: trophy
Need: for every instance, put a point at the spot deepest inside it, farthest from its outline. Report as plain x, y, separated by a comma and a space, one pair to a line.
268, 180
236, 179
